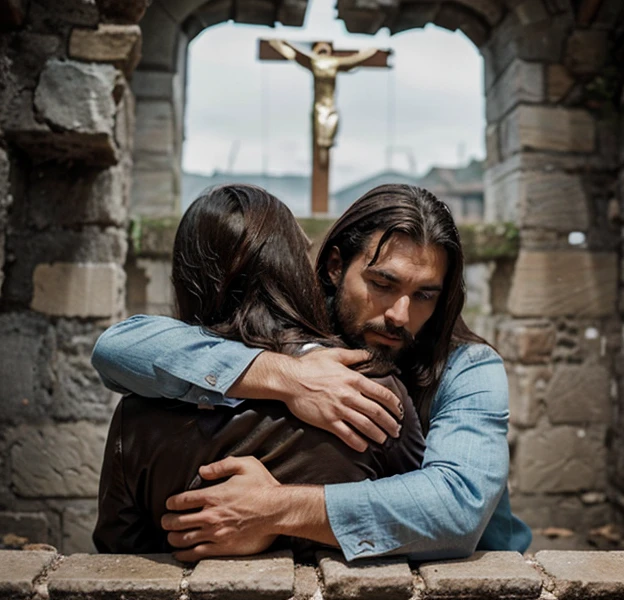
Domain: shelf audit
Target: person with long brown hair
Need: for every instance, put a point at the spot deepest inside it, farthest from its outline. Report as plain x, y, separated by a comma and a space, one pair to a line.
240, 272
392, 271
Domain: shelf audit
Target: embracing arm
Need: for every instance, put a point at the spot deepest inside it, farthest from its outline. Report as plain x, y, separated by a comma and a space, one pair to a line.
162, 357
437, 512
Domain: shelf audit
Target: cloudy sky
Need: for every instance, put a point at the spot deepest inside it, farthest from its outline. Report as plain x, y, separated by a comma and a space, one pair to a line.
249, 116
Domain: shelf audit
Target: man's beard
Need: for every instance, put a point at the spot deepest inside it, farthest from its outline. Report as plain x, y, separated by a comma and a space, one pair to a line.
345, 325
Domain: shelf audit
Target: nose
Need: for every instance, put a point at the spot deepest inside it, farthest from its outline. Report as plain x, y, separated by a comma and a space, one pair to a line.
398, 313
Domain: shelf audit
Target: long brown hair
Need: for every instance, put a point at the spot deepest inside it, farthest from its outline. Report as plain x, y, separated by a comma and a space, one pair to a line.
240, 269
418, 214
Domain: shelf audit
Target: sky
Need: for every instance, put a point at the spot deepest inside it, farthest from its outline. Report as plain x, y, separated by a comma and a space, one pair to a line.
244, 115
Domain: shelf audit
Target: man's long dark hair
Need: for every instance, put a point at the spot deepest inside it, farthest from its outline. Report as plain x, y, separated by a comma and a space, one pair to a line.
240, 268
427, 221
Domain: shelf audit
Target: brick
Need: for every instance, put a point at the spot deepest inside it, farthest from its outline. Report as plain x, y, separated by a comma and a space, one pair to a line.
306, 583
560, 459
522, 82
160, 34
76, 12
122, 11
527, 386
153, 85
548, 128
78, 290
61, 460
270, 576
502, 195
586, 51
585, 574
559, 283
153, 193
558, 83
553, 200
388, 578
570, 390
18, 570
116, 44
146, 577
529, 342
154, 127
78, 526
483, 575
25, 356
76, 96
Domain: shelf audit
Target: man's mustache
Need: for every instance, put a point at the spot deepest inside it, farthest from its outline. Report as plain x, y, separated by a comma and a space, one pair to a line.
391, 330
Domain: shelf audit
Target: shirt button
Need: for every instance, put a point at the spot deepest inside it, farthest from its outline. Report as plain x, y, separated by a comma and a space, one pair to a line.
211, 379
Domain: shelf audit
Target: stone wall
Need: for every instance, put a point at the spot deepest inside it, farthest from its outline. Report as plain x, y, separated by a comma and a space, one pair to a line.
550, 575
552, 82
66, 127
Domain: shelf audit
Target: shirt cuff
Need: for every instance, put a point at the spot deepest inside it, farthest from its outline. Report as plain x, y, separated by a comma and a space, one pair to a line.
350, 516
207, 399
211, 367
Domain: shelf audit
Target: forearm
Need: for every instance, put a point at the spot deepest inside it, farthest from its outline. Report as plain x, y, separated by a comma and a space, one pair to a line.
300, 512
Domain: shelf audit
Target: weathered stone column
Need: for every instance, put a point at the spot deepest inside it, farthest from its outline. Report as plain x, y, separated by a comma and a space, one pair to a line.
552, 144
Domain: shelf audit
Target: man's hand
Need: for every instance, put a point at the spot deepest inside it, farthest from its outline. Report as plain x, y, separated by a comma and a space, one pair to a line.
320, 389
232, 516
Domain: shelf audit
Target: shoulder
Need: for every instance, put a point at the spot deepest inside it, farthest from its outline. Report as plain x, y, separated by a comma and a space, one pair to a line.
474, 374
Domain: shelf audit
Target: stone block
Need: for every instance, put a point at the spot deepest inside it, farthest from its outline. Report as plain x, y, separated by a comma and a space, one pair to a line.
558, 83
75, 12
554, 129
560, 459
306, 583
158, 292
492, 145
154, 127
32, 526
25, 367
61, 460
389, 578
122, 11
503, 194
153, 85
522, 82
529, 342
78, 289
76, 100
160, 34
146, 577
74, 196
78, 526
584, 574
586, 51
18, 571
579, 394
559, 283
527, 386
91, 244
263, 576
483, 575
153, 193
553, 200
116, 44
77, 97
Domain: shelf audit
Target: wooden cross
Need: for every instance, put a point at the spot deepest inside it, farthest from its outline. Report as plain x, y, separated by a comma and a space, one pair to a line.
324, 63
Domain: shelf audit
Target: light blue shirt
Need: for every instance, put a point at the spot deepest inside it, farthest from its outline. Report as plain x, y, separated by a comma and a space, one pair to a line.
456, 503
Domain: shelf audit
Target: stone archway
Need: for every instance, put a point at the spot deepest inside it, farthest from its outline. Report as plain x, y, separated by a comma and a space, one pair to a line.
554, 166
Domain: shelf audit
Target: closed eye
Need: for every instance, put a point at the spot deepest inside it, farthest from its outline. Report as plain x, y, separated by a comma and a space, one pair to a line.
425, 296
380, 285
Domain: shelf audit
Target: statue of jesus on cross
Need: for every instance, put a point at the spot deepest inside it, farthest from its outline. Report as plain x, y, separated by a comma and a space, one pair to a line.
324, 63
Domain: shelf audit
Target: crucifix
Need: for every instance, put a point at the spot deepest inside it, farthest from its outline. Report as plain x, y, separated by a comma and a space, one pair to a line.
324, 63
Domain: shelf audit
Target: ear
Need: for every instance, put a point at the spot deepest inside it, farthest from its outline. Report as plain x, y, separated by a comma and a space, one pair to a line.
334, 266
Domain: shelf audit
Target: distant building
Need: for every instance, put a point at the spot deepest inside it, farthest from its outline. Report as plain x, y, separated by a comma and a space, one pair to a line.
294, 190
461, 188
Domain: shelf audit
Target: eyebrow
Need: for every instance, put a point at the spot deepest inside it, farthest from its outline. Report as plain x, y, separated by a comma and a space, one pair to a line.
394, 279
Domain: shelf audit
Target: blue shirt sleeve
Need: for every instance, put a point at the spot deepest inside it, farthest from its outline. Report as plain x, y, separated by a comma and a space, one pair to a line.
442, 510
162, 357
